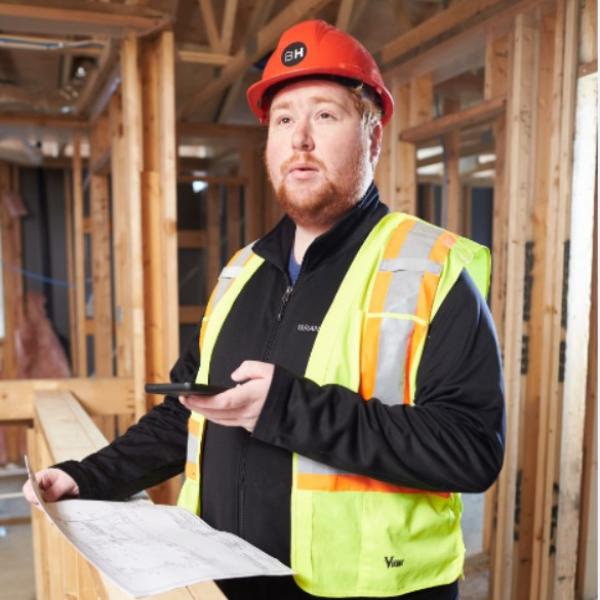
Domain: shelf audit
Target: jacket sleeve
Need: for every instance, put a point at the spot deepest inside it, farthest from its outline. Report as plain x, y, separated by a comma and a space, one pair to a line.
451, 439
148, 453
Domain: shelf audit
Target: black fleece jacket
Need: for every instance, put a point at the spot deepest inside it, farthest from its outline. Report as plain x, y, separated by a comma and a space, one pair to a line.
451, 439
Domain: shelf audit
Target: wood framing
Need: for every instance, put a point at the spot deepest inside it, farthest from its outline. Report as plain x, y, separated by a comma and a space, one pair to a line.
265, 39
132, 154
99, 396
63, 431
92, 18
518, 157
578, 335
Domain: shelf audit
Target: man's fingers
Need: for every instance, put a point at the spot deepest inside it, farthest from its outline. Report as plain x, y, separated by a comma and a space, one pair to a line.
252, 369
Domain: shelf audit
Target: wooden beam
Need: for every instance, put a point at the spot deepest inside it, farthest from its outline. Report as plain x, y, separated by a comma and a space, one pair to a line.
99, 396
265, 39
457, 14
578, 335
518, 158
90, 47
210, 24
452, 205
463, 51
78, 248
45, 121
213, 235
228, 25
483, 112
201, 55
260, 13
69, 431
73, 17
132, 149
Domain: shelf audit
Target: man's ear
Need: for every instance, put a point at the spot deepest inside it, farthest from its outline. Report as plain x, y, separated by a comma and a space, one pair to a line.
376, 137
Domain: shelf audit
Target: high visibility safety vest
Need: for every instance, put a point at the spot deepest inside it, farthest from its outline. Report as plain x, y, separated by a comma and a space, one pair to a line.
352, 535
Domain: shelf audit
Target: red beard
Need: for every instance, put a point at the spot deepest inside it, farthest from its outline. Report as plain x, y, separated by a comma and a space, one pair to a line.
328, 203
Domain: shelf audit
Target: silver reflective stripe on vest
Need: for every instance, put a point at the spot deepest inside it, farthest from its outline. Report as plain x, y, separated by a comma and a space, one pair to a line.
230, 272
193, 442
311, 467
402, 297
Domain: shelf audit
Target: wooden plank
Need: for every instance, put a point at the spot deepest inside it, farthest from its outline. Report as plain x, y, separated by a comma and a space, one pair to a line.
228, 24
74, 18
70, 247
251, 167
443, 22
536, 314
101, 276
559, 166
518, 159
452, 205
210, 24
99, 396
265, 39
496, 66
49, 122
487, 110
578, 336
403, 155
200, 55
79, 257
132, 133
69, 431
191, 238
462, 52
258, 17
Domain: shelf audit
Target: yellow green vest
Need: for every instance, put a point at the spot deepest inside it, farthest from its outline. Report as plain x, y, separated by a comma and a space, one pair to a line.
353, 535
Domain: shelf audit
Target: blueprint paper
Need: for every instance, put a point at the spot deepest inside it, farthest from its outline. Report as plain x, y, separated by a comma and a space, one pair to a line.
147, 549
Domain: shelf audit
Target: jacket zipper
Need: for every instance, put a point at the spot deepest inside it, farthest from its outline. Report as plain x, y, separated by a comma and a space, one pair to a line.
284, 302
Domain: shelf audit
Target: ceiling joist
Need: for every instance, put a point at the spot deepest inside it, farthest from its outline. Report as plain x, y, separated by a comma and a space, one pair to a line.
77, 18
264, 41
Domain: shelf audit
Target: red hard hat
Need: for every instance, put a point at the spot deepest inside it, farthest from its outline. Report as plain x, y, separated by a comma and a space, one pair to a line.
316, 48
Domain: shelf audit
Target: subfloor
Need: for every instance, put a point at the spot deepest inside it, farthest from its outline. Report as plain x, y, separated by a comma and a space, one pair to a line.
16, 556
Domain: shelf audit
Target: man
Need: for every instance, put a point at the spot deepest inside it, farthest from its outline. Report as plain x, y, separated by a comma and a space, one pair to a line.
369, 385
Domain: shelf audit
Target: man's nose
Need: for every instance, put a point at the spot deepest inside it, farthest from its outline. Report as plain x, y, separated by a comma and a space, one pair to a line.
302, 139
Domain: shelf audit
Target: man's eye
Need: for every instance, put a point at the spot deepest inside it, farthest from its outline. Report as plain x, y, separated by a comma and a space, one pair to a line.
283, 121
326, 115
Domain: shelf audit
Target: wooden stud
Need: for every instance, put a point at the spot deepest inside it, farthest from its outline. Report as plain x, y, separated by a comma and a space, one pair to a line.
559, 166
452, 208
403, 155
518, 187
344, 15
578, 336
79, 257
132, 134
70, 243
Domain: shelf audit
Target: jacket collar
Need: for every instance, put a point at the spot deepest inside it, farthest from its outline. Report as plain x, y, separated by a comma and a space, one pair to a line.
349, 232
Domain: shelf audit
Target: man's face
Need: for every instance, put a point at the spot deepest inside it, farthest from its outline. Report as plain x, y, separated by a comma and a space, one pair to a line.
318, 151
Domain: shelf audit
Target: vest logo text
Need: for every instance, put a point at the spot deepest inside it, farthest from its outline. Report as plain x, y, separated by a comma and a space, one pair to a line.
392, 562
308, 328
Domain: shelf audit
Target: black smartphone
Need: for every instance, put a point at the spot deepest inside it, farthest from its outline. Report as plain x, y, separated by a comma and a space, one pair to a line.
187, 388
